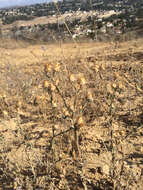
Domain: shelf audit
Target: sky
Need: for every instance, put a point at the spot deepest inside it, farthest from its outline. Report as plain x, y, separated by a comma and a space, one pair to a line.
7, 3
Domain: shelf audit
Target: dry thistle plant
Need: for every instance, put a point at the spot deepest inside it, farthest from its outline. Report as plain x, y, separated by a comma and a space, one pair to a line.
71, 108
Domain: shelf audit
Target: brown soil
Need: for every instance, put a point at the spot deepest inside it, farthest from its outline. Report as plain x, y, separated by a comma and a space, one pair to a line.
71, 117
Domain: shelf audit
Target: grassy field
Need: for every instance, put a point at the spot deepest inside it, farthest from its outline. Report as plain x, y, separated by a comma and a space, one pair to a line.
71, 116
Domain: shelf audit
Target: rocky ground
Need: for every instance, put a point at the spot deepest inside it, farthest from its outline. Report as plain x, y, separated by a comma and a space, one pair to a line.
71, 116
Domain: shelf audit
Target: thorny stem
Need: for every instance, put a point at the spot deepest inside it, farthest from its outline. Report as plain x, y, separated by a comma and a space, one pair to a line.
61, 133
74, 126
59, 92
111, 113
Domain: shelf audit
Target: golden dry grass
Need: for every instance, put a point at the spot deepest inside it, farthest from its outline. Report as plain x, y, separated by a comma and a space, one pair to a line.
71, 117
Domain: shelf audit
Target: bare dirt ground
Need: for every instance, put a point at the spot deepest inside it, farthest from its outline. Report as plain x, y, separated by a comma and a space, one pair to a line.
71, 116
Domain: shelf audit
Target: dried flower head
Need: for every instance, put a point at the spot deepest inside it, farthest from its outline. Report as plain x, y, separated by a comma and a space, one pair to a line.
19, 103
117, 76
122, 132
90, 95
5, 113
57, 81
56, 126
96, 68
109, 88
77, 86
54, 104
53, 88
45, 84
48, 68
73, 78
114, 85
57, 67
66, 113
120, 85
103, 67
82, 81
80, 121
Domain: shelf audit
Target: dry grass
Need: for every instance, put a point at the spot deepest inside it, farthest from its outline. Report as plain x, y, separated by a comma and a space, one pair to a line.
71, 117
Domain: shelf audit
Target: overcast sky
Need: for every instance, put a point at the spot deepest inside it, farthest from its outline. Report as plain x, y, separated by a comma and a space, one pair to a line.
7, 3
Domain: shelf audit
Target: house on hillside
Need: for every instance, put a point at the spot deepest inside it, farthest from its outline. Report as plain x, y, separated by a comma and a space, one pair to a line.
103, 29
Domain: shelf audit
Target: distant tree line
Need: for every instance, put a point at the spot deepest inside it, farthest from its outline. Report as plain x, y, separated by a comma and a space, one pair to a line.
9, 19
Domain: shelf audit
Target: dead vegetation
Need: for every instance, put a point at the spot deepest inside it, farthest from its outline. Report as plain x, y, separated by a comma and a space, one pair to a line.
71, 117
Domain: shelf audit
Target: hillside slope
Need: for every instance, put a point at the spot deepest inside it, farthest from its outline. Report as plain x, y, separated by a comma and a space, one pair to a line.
71, 116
